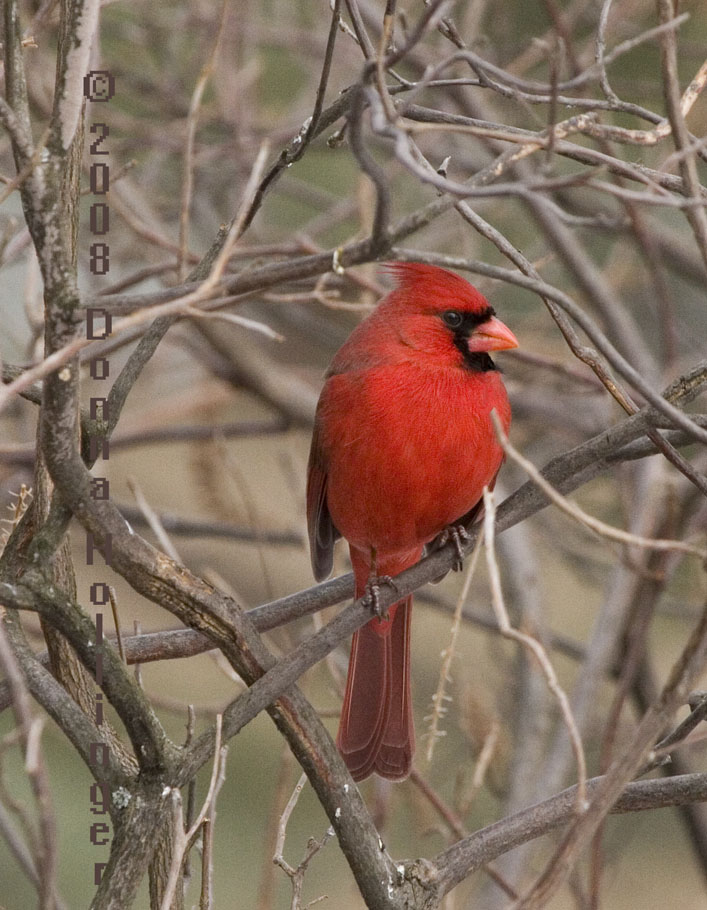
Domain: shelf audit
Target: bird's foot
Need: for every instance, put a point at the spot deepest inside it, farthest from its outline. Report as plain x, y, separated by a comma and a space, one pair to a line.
373, 591
459, 535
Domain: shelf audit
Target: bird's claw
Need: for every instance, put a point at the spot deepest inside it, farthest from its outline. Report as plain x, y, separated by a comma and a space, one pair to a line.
458, 535
372, 595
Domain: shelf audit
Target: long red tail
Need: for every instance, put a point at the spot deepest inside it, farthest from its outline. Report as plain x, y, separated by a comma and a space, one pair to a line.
376, 731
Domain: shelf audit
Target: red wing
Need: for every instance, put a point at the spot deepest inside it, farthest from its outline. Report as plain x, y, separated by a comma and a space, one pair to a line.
322, 532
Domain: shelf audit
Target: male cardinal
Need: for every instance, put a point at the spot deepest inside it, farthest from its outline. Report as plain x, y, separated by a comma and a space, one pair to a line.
403, 446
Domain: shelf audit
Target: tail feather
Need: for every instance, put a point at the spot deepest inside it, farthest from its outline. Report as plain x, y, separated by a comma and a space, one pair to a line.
376, 730
398, 743
366, 708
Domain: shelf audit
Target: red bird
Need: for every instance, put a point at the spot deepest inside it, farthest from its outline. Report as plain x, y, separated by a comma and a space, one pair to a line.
403, 446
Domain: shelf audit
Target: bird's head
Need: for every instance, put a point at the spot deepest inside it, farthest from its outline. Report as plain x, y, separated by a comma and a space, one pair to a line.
441, 316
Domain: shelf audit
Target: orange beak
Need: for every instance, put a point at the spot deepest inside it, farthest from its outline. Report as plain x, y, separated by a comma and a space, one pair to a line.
492, 335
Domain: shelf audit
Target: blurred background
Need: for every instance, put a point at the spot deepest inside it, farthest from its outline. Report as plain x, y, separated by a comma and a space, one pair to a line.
215, 435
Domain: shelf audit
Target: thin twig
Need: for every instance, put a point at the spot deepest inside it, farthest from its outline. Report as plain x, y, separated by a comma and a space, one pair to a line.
439, 698
534, 647
153, 520
570, 508
296, 875
28, 732
116, 622
182, 839
192, 118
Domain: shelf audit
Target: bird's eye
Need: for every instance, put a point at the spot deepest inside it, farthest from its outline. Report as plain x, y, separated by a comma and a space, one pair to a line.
452, 318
